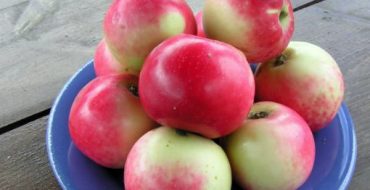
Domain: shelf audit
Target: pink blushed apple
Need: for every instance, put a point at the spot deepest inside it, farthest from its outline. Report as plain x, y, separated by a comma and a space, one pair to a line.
274, 149
168, 159
261, 29
106, 119
132, 28
104, 62
305, 78
197, 84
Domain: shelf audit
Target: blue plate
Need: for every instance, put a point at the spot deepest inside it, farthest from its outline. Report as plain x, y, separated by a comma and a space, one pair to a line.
334, 163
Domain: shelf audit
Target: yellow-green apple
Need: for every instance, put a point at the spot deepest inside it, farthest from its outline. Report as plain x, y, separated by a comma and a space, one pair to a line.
305, 78
199, 20
197, 84
261, 29
104, 62
274, 149
168, 159
106, 119
134, 27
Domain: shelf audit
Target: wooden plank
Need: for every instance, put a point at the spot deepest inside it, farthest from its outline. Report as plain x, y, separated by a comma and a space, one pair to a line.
35, 65
7, 4
344, 33
24, 164
297, 3
357, 8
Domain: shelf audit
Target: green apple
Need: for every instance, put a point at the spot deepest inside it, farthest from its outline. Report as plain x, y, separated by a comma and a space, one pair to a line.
305, 78
274, 149
132, 28
167, 159
261, 29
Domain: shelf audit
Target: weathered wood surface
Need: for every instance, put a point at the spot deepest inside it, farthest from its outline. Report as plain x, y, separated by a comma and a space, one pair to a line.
23, 160
343, 29
297, 3
35, 64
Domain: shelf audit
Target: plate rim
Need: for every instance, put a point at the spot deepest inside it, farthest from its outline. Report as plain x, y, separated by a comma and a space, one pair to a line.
49, 144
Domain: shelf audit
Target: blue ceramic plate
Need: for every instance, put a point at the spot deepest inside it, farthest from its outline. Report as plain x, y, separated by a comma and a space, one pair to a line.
333, 169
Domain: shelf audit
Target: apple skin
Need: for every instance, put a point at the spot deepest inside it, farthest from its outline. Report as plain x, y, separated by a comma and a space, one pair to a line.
134, 27
167, 159
104, 62
106, 119
199, 21
272, 151
309, 81
260, 29
197, 84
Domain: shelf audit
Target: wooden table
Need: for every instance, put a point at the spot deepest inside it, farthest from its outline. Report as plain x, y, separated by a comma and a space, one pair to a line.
36, 59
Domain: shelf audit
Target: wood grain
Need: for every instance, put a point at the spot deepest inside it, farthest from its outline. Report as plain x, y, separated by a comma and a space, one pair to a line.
24, 164
343, 29
35, 65
8, 4
297, 3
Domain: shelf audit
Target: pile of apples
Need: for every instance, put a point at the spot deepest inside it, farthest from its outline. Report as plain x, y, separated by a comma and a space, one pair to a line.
176, 104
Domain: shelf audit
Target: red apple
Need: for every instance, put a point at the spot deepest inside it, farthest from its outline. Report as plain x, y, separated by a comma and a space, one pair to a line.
305, 78
134, 27
199, 20
261, 29
197, 84
274, 149
168, 159
104, 62
106, 119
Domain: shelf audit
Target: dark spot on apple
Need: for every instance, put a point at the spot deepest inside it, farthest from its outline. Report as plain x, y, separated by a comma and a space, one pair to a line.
133, 89
181, 132
284, 16
280, 60
258, 115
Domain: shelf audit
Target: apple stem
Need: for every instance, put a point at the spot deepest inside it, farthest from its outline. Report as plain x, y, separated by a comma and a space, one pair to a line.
258, 115
280, 60
133, 89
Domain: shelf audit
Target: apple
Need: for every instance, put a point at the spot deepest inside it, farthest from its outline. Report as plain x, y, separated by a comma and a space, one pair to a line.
106, 119
166, 159
104, 62
261, 29
274, 149
305, 78
197, 84
199, 21
134, 27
